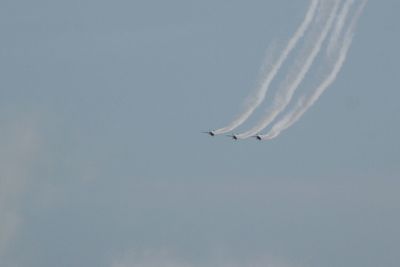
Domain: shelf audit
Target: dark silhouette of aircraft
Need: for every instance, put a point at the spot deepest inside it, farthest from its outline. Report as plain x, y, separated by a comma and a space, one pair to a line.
258, 137
211, 133
234, 137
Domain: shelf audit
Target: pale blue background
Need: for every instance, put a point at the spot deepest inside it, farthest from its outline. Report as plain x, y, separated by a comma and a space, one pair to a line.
116, 94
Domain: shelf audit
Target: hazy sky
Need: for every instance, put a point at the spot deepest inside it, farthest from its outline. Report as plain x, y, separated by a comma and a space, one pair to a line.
102, 162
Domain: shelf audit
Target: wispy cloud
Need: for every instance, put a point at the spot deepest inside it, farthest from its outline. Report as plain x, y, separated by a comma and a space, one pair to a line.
19, 143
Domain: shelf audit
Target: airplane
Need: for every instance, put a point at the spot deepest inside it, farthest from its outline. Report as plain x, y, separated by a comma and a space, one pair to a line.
234, 137
258, 137
211, 133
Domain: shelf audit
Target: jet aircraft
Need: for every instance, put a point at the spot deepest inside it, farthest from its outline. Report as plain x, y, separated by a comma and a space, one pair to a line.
258, 137
211, 133
234, 137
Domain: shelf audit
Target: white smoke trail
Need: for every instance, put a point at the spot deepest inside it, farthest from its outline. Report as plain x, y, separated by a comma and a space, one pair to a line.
341, 20
300, 69
258, 98
305, 103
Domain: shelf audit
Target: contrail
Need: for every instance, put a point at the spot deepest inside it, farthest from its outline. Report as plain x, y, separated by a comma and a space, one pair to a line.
299, 71
305, 103
341, 20
258, 98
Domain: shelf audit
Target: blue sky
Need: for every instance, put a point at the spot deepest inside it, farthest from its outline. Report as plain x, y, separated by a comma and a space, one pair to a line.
103, 164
